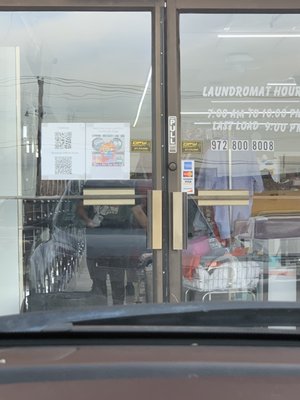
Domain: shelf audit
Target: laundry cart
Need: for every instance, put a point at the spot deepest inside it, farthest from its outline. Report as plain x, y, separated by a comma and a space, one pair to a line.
276, 237
227, 276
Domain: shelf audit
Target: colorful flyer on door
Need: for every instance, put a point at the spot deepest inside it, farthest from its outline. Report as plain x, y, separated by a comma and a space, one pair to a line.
62, 153
107, 151
188, 176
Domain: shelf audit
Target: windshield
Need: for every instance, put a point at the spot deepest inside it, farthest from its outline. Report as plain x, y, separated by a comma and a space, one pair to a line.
106, 200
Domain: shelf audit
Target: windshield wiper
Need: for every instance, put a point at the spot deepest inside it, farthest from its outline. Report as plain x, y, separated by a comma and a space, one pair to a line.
230, 314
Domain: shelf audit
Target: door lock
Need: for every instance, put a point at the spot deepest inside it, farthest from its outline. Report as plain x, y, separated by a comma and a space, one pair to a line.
172, 166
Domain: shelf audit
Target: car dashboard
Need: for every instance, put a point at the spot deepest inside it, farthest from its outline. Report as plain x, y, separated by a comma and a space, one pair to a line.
146, 369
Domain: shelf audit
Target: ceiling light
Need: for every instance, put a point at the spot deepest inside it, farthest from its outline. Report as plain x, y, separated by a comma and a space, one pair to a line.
281, 84
255, 101
288, 82
257, 35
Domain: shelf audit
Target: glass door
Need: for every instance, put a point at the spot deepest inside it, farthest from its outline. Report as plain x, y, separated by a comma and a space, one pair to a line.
83, 128
152, 156
238, 111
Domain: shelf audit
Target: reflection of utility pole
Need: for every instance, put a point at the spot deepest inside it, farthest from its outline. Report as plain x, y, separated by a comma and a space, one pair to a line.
39, 133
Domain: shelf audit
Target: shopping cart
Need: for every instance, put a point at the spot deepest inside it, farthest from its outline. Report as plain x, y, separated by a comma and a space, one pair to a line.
226, 275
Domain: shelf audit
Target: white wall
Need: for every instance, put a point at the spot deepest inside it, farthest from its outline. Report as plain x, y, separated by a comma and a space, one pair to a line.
10, 274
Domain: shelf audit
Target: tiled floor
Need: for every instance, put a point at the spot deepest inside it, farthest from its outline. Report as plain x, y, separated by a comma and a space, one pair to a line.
81, 282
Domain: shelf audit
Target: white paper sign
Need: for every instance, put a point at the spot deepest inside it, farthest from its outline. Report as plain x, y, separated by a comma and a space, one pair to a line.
63, 154
107, 151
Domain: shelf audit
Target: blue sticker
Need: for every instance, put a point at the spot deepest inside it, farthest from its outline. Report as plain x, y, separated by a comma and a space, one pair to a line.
188, 165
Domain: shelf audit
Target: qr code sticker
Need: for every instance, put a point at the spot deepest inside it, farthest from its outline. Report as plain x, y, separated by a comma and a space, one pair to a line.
63, 165
63, 140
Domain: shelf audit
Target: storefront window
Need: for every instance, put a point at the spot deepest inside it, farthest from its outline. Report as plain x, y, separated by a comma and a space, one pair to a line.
240, 104
76, 149
76, 114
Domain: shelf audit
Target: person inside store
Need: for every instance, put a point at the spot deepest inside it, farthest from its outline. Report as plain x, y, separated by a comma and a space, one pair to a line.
115, 267
240, 172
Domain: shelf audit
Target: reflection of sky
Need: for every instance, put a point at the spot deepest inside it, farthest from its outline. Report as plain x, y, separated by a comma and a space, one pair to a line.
208, 60
95, 64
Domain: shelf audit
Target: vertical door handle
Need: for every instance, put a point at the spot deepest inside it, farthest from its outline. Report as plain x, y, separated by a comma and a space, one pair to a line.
179, 220
154, 220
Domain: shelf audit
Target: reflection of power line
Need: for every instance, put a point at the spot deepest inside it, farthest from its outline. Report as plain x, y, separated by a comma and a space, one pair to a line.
93, 83
106, 88
111, 87
89, 96
13, 83
13, 79
79, 83
59, 82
